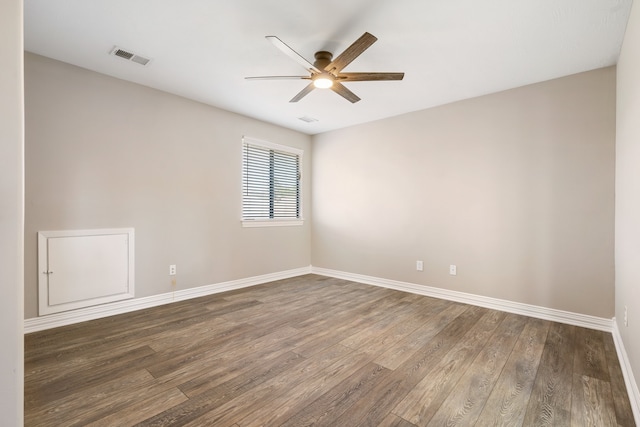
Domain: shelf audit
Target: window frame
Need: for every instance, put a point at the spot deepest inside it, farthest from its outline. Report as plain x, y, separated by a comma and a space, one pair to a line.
271, 222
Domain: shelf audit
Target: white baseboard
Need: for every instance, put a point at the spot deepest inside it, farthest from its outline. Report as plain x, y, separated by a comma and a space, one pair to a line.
627, 372
104, 310
120, 307
554, 315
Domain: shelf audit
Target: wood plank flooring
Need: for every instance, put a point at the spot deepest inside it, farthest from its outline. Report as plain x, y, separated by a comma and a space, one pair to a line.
320, 351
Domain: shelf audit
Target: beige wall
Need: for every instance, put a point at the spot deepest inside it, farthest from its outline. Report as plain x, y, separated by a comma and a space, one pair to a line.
11, 213
105, 153
628, 192
515, 188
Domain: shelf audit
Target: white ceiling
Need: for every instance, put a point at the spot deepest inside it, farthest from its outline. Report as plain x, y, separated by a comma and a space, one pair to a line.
448, 49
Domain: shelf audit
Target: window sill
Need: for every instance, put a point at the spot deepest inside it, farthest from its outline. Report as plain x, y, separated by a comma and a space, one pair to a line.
272, 223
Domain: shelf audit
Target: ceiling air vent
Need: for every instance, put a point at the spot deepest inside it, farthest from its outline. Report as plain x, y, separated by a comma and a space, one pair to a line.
130, 56
307, 119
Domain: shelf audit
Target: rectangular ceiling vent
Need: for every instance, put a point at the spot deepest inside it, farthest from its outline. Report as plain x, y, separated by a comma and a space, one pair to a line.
307, 119
130, 56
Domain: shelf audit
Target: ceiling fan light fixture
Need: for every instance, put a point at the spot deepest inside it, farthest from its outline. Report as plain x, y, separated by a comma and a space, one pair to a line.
323, 81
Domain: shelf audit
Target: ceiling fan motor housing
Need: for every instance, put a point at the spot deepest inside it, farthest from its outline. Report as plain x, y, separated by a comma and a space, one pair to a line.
323, 58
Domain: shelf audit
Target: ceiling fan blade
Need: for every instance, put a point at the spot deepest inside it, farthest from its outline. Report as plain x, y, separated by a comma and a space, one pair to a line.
279, 78
304, 92
351, 53
293, 54
365, 77
341, 90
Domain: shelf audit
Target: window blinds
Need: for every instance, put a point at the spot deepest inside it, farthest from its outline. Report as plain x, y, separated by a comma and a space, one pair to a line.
270, 183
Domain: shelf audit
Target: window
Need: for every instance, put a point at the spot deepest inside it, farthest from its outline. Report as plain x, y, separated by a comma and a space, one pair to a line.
270, 184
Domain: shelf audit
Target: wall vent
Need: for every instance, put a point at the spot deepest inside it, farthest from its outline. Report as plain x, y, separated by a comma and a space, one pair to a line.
129, 56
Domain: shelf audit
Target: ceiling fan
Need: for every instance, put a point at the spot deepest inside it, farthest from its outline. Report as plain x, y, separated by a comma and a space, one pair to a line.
326, 73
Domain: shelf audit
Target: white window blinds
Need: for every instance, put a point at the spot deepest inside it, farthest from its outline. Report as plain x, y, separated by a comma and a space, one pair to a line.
270, 181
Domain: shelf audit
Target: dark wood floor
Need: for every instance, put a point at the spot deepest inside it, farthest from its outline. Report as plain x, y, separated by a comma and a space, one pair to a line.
320, 351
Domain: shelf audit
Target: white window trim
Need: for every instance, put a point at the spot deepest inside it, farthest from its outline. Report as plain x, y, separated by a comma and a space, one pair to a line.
271, 222
277, 222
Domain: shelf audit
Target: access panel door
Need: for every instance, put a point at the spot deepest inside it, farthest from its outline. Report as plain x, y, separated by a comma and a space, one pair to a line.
83, 268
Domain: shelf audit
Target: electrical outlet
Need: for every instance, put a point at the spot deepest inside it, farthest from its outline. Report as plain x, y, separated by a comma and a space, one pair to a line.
419, 265
172, 270
626, 317
453, 270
